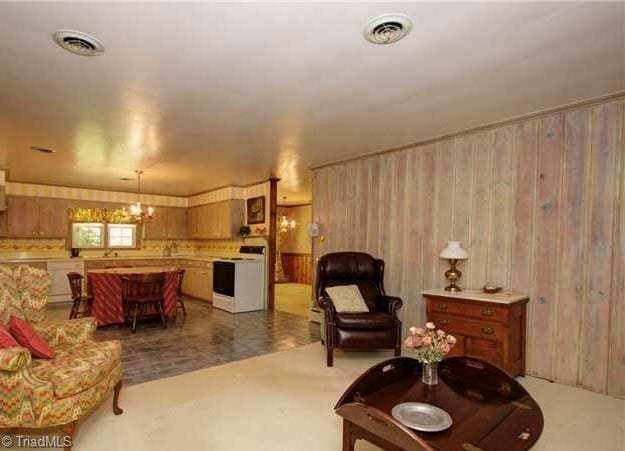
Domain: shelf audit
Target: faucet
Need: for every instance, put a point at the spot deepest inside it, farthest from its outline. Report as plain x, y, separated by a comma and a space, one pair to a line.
108, 252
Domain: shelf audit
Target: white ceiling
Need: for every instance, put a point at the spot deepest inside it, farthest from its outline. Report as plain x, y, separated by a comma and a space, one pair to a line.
205, 95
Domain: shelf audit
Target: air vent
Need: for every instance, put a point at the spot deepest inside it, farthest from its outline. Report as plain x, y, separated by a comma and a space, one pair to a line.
42, 149
388, 28
78, 43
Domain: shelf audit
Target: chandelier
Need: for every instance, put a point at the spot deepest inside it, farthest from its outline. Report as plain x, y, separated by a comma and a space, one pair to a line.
284, 224
135, 211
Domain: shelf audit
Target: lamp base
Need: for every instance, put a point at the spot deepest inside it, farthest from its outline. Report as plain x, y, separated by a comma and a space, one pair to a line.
453, 274
453, 288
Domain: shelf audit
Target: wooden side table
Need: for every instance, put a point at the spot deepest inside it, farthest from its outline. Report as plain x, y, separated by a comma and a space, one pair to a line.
487, 326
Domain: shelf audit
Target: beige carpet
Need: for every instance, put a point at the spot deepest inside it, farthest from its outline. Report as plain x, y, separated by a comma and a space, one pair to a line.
293, 298
284, 402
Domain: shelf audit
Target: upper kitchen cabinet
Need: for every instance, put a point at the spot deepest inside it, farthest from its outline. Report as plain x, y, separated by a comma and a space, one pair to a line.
219, 220
177, 223
168, 223
193, 222
36, 217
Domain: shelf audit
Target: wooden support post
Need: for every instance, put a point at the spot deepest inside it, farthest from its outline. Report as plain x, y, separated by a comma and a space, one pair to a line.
271, 254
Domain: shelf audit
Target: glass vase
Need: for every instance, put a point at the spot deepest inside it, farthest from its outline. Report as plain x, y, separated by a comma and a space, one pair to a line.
429, 376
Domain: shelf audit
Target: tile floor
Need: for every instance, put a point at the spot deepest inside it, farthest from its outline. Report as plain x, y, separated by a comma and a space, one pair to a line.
208, 337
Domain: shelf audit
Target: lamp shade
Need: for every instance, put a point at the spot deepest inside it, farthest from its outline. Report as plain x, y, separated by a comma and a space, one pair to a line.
453, 251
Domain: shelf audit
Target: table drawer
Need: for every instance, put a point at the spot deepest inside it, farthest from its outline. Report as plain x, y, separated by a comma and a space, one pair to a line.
452, 307
468, 327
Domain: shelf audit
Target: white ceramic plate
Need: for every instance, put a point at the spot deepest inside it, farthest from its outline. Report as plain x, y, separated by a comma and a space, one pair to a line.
422, 417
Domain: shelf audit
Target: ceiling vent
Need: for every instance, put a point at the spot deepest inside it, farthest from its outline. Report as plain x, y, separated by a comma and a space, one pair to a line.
42, 149
78, 43
387, 28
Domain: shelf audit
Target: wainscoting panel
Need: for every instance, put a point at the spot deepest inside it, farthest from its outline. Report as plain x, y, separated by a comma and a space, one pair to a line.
297, 267
538, 204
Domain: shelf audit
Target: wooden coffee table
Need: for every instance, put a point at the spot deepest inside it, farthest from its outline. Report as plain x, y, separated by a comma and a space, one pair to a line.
490, 410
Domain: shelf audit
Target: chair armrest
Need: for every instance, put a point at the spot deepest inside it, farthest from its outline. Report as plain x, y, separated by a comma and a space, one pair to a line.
390, 304
25, 398
14, 359
328, 307
68, 331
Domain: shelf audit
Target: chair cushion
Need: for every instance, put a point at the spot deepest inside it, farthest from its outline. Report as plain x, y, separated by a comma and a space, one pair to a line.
77, 368
365, 320
347, 298
27, 337
6, 339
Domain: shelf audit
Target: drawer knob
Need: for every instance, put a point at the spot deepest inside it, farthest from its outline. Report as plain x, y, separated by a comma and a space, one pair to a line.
487, 312
444, 322
442, 306
488, 330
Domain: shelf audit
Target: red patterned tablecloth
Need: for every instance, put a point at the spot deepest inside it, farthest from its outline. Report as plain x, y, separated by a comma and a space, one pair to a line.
106, 286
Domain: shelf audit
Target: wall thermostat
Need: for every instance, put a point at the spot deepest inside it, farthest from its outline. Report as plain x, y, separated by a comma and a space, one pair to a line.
313, 229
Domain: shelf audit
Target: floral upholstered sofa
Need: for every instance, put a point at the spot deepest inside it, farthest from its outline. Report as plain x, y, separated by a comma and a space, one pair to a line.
42, 393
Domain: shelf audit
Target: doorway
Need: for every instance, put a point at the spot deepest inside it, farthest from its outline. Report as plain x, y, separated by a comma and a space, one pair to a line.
293, 259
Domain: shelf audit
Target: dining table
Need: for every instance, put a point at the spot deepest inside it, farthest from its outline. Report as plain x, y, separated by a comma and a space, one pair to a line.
105, 285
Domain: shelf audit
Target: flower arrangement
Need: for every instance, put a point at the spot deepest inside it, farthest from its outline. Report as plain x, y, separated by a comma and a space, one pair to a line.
429, 345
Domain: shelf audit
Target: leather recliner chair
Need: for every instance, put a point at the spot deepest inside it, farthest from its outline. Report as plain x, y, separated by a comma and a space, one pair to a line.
379, 328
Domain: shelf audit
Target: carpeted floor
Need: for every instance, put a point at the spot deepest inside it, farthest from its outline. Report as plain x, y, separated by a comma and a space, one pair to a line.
293, 298
284, 402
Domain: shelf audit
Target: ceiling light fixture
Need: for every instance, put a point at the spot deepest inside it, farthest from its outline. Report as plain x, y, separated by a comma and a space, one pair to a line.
42, 149
135, 211
78, 43
387, 28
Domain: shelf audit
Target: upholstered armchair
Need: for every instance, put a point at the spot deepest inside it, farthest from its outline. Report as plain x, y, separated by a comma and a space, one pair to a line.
379, 328
43, 393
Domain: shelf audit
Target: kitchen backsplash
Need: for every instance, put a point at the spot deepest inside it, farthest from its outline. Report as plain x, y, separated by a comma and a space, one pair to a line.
33, 248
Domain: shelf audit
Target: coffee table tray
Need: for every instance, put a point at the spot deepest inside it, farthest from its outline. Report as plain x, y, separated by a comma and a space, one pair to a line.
489, 408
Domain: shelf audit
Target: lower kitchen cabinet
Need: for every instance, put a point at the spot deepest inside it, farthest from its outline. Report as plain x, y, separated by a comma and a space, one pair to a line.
198, 279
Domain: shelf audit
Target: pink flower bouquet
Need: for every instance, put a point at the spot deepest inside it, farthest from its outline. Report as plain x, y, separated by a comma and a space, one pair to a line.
429, 345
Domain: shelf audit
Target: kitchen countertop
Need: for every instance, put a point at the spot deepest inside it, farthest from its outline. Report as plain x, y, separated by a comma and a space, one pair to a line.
110, 258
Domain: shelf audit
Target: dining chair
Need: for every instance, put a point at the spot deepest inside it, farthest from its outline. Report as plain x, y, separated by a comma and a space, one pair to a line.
143, 296
80, 300
179, 300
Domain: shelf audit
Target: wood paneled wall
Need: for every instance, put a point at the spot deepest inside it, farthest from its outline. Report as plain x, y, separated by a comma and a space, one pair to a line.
538, 204
297, 267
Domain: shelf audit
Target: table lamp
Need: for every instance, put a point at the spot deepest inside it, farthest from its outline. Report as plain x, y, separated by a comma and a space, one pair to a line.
453, 252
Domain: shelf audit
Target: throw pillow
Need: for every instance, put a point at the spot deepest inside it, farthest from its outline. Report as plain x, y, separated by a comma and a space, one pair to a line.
347, 298
6, 339
27, 337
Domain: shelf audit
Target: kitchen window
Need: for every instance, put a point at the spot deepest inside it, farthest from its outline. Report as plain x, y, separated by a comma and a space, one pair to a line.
122, 235
87, 235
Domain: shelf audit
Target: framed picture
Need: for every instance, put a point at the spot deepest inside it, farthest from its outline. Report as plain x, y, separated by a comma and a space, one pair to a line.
256, 210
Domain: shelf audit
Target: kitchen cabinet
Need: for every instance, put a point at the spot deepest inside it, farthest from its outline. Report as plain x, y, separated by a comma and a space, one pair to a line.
193, 222
198, 279
36, 217
168, 223
219, 220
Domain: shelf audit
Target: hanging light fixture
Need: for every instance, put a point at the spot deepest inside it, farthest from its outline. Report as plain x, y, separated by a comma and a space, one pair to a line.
285, 224
136, 211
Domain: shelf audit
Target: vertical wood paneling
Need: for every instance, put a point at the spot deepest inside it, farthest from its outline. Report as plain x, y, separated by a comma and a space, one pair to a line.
616, 359
462, 194
477, 245
538, 204
572, 233
443, 213
546, 242
592, 371
499, 243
